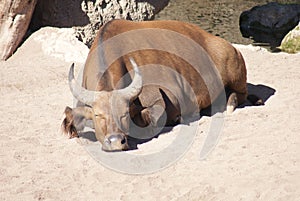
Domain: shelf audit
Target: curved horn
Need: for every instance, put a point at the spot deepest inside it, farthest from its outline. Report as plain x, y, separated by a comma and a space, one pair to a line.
83, 95
135, 88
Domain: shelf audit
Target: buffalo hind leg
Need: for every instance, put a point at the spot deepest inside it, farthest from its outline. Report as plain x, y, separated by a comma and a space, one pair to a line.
75, 120
235, 99
232, 103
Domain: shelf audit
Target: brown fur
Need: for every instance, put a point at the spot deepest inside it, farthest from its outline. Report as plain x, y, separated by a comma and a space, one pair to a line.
227, 59
146, 109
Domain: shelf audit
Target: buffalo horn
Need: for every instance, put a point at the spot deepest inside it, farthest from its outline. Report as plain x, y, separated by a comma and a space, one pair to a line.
134, 89
83, 95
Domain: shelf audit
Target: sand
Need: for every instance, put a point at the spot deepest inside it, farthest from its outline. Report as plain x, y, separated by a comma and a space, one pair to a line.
257, 156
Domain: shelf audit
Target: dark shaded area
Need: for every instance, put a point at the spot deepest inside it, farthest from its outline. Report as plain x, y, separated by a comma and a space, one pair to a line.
89, 135
269, 23
134, 142
262, 91
56, 13
255, 93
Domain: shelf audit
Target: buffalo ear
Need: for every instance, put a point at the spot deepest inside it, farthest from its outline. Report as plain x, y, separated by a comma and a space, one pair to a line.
67, 125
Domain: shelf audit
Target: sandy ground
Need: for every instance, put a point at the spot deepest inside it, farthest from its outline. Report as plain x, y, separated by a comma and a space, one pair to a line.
257, 156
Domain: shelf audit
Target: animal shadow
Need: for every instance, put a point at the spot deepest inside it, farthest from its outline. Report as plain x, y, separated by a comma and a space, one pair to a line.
261, 91
89, 137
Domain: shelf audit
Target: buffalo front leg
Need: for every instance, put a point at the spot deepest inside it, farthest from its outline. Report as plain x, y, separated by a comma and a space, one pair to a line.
154, 116
148, 122
75, 119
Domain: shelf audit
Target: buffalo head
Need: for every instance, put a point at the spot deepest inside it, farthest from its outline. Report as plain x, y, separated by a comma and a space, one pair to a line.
109, 110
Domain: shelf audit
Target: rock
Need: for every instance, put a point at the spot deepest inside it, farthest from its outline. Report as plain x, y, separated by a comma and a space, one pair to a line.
15, 17
87, 16
52, 44
269, 23
60, 43
291, 42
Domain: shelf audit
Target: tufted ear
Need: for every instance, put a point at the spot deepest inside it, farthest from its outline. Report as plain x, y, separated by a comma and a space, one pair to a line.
67, 125
75, 120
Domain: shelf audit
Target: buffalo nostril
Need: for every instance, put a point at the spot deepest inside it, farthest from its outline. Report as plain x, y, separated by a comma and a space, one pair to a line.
123, 141
117, 138
115, 142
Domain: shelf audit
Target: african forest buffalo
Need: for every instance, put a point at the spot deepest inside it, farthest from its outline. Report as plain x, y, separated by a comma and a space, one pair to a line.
150, 74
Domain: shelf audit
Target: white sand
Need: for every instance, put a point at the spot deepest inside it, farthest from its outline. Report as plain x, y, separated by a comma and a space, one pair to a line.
257, 156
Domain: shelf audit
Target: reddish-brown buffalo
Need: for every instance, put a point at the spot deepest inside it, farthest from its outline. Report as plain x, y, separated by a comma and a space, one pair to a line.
148, 48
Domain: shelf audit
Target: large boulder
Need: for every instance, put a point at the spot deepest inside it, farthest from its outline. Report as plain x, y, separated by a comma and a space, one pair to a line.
60, 43
56, 44
15, 17
269, 23
87, 16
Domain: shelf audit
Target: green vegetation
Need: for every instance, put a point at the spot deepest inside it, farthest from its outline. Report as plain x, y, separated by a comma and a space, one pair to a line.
291, 42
